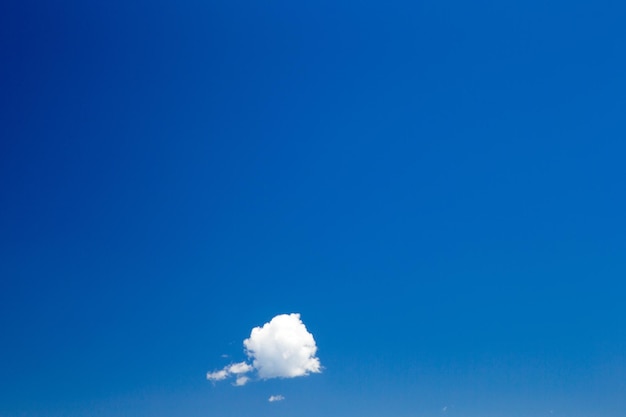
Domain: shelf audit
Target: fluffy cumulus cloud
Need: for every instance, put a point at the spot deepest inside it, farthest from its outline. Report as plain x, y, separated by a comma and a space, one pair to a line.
274, 398
281, 348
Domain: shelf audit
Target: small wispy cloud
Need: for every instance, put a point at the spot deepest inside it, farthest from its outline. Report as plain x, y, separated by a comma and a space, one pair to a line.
281, 348
274, 398
239, 368
232, 369
217, 375
241, 381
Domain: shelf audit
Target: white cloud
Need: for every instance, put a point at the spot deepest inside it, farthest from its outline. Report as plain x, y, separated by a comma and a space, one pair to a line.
235, 368
241, 381
239, 368
274, 398
282, 348
217, 375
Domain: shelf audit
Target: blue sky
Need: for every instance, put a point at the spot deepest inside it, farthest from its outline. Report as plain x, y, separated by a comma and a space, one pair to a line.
437, 187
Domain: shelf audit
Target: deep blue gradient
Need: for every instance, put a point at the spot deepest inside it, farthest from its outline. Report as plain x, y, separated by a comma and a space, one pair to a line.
438, 187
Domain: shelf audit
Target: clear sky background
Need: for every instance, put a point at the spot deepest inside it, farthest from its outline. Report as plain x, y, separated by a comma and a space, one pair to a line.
437, 187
